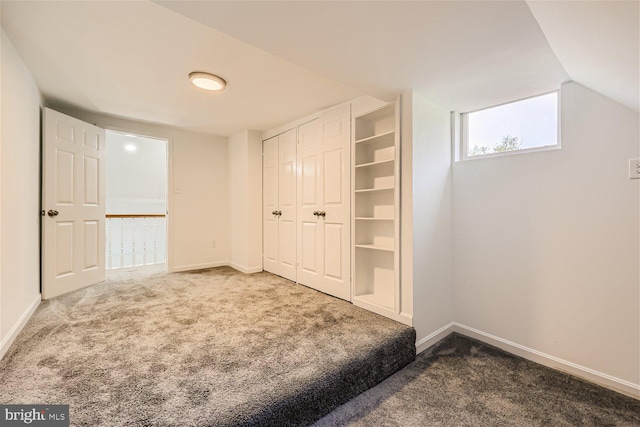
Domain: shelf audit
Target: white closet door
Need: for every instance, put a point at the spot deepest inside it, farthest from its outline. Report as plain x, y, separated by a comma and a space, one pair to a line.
309, 203
324, 203
279, 205
287, 205
270, 154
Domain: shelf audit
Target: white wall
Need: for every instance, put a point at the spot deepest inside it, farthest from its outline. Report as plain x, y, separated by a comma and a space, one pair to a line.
546, 244
254, 195
432, 228
245, 200
406, 204
198, 191
20, 194
238, 200
136, 180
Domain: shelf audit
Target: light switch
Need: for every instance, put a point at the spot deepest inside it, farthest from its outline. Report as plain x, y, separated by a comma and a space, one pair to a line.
634, 169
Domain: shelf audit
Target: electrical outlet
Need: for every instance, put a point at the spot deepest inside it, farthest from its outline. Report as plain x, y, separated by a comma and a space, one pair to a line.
213, 243
634, 169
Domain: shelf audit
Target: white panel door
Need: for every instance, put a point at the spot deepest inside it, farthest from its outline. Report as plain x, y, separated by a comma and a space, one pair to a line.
73, 227
279, 200
270, 157
287, 205
309, 204
324, 203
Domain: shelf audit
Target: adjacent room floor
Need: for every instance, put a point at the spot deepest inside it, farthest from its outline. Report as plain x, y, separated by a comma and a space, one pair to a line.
461, 382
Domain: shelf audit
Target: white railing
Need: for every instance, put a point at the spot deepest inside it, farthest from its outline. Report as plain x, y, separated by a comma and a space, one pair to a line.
135, 240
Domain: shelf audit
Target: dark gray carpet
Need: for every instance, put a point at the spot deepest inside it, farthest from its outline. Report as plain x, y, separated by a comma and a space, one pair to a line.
462, 382
208, 348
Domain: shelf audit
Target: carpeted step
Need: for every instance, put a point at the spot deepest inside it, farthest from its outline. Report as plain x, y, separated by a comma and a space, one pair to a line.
319, 397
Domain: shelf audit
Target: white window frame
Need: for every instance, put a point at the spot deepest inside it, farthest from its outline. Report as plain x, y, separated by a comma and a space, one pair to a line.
464, 132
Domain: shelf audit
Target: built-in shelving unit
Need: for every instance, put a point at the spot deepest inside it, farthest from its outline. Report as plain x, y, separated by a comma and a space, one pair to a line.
376, 230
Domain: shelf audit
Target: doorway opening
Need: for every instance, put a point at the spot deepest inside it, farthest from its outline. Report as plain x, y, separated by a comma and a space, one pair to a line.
136, 204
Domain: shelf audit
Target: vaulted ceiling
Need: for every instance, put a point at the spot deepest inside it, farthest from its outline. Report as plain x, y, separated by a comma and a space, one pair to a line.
597, 42
462, 55
284, 60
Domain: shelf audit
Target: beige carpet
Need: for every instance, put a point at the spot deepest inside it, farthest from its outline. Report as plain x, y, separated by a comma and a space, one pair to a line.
214, 347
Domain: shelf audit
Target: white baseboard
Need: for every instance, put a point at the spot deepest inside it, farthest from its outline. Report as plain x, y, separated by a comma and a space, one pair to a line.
245, 270
17, 328
426, 342
190, 267
616, 384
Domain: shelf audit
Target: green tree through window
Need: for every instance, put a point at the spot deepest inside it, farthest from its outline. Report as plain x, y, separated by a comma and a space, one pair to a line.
508, 143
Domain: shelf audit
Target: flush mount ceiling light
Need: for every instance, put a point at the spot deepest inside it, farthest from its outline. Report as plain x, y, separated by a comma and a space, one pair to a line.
130, 147
207, 81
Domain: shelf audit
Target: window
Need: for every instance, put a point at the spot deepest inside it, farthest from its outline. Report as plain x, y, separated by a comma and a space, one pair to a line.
527, 125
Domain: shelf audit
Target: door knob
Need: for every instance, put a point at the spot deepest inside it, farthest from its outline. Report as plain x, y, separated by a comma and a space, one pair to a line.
52, 213
274, 212
316, 213
279, 213
322, 214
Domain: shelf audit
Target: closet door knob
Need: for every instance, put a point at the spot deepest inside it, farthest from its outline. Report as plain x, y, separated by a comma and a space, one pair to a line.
52, 213
274, 212
322, 214
316, 213
279, 213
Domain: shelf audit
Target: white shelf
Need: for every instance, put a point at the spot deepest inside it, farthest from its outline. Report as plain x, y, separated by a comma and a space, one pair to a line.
377, 299
381, 162
382, 310
362, 218
383, 137
377, 114
371, 190
375, 233
372, 153
376, 228
379, 123
374, 247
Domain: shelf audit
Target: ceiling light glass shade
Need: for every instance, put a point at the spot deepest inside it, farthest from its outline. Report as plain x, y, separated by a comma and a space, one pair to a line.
207, 81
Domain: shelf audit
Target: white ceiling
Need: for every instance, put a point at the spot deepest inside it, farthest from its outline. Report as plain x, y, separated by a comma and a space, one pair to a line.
132, 59
460, 54
284, 60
